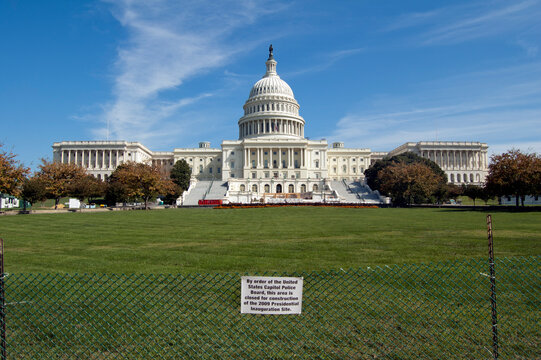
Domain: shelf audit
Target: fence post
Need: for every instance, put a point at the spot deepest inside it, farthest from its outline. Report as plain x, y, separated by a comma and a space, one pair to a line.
2, 304
492, 288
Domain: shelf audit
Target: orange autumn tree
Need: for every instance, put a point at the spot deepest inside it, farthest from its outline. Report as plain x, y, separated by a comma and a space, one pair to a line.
515, 173
409, 183
12, 174
132, 181
58, 178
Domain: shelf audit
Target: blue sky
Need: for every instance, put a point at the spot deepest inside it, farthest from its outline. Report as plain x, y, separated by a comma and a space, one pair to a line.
172, 73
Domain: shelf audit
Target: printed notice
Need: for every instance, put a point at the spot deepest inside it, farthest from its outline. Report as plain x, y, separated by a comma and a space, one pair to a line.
271, 295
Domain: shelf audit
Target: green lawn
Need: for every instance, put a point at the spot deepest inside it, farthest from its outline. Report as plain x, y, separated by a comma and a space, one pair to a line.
269, 239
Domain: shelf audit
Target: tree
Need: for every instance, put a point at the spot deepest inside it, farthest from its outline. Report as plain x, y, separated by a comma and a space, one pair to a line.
181, 174
409, 183
132, 181
58, 178
171, 191
473, 192
12, 174
453, 191
486, 194
33, 190
371, 174
378, 177
86, 187
514, 173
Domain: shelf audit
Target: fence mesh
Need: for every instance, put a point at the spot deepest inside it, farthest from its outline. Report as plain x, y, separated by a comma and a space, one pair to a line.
428, 311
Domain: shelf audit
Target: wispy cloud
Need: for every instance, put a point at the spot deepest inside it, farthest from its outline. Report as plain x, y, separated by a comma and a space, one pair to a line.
325, 61
460, 23
501, 107
168, 42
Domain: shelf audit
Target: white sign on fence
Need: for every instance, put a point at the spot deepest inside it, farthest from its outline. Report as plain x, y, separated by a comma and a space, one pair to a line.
271, 295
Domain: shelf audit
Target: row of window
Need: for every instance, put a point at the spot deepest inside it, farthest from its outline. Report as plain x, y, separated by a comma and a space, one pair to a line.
276, 175
353, 159
270, 107
345, 169
201, 159
201, 169
278, 188
265, 90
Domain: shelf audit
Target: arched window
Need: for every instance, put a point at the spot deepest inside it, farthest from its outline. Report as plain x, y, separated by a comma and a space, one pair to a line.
457, 178
317, 163
452, 178
303, 188
254, 188
344, 168
267, 188
242, 188
291, 188
279, 188
471, 177
465, 178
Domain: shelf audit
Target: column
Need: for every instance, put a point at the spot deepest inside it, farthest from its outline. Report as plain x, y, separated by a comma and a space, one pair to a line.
289, 157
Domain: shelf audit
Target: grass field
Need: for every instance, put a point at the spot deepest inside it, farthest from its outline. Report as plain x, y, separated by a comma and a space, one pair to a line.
440, 310
246, 240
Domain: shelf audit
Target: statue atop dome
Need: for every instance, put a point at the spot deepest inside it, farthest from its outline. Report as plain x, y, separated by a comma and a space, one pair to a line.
270, 52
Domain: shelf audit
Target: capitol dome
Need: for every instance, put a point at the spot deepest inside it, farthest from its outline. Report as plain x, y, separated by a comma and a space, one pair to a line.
271, 109
271, 84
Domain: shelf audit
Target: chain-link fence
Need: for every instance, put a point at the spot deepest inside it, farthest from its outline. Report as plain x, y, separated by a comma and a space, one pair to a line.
428, 311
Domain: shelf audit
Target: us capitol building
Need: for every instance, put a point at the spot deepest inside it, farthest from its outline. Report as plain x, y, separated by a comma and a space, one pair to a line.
272, 161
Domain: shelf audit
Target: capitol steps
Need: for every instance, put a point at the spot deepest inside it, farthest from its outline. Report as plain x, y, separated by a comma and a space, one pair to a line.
197, 193
355, 192
217, 190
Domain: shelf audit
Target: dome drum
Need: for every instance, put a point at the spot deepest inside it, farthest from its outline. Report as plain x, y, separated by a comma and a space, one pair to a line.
271, 126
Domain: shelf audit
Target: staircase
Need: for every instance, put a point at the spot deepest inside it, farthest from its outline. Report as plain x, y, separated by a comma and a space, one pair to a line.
355, 192
217, 191
364, 193
196, 193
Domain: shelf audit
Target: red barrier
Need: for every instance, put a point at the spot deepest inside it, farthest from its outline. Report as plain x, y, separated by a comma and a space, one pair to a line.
209, 202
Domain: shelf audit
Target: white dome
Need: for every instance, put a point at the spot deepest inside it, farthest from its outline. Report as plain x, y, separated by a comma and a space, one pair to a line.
271, 85
271, 109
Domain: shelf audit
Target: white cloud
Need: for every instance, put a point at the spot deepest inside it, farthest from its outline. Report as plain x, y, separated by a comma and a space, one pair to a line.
326, 61
169, 42
500, 107
460, 23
